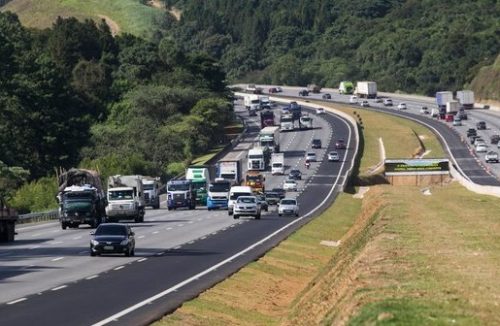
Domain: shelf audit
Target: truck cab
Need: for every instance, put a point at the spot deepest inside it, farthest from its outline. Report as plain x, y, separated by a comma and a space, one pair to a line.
255, 180
286, 122
125, 198
180, 193
258, 158
306, 121
151, 193
218, 194
80, 205
200, 178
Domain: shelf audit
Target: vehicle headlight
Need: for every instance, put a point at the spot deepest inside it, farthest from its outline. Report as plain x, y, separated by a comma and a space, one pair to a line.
94, 242
124, 242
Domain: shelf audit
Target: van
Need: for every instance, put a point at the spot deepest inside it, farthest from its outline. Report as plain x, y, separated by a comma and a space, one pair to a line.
353, 99
234, 193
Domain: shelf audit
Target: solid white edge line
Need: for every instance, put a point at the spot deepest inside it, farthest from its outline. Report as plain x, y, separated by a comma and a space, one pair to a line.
118, 268
58, 258
17, 301
92, 277
59, 287
224, 262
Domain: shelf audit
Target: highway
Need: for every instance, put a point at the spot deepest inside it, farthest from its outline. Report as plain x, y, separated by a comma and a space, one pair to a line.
47, 276
454, 140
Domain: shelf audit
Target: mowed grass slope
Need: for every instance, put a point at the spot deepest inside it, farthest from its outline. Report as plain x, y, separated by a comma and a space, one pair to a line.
130, 16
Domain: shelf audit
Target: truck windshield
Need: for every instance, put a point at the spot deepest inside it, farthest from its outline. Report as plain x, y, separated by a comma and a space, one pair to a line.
286, 119
268, 143
200, 185
148, 187
121, 194
178, 187
306, 119
74, 204
228, 176
258, 156
219, 187
253, 178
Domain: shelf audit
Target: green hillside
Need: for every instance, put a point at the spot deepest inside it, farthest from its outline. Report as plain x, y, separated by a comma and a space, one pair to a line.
411, 45
123, 16
486, 84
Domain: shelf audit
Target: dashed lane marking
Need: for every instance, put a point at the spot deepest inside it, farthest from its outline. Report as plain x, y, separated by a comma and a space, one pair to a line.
92, 277
57, 259
118, 268
142, 259
59, 288
17, 301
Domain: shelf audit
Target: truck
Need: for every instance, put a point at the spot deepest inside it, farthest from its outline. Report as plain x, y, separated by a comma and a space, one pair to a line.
452, 108
125, 198
251, 88
366, 89
278, 163
296, 110
255, 180
258, 158
229, 169
265, 102
252, 101
8, 219
305, 121
218, 194
180, 193
270, 137
346, 87
266, 118
151, 188
466, 99
286, 122
81, 198
313, 88
441, 99
200, 178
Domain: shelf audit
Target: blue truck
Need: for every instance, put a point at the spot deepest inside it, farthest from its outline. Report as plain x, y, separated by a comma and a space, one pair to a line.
218, 194
181, 193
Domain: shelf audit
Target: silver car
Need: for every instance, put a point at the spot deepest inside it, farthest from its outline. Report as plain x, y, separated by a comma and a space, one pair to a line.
288, 206
333, 156
311, 157
247, 206
290, 185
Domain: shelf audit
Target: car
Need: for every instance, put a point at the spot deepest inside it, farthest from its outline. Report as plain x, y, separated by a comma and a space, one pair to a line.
281, 193
272, 90
340, 144
402, 106
424, 110
304, 92
481, 125
279, 89
290, 185
491, 157
457, 121
378, 100
320, 111
112, 238
326, 96
333, 156
434, 113
272, 198
462, 114
481, 148
247, 206
288, 206
364, 103
261, 198
387, 102
473, 139
353, 99
311, 157
295, 174
494, 139
471, 132
478, 140
316, 143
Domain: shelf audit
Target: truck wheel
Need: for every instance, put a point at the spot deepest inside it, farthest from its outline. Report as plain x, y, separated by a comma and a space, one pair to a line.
236, 217
257, 217
209, 209
63, 226
93, 254
229, 212
279, 214
169, 208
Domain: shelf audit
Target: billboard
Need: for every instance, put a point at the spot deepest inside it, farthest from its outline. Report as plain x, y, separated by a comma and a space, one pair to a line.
417, 166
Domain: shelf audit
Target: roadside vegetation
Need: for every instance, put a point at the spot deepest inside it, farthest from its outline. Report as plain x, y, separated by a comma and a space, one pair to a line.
396, 256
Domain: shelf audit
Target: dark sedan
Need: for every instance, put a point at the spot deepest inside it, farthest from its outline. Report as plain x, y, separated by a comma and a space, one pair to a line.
295, 174
272, 198
327, 96
280, 192
112, 238
340, 144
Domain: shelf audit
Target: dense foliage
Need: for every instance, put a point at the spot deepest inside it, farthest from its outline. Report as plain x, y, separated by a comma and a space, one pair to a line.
412, 45
74, 95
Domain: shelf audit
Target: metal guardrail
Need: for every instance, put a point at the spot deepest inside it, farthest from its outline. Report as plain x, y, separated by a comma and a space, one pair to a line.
39, 216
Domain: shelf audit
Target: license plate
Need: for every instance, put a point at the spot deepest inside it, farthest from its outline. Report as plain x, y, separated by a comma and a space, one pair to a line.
108, 247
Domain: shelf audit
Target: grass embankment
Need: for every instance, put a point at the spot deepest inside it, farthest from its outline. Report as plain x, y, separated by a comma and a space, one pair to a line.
403, 258
231, 132
123, 16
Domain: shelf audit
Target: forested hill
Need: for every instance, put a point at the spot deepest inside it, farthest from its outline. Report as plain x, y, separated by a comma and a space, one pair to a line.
414, 45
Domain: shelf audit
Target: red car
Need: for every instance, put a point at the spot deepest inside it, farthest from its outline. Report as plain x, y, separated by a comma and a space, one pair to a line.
340, 144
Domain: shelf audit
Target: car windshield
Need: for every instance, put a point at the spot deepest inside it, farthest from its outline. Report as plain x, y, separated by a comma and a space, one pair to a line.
294, 172
246, 200
311, 154
104, 229
121, 194
235, 195
288, 202
333, 153
272, 195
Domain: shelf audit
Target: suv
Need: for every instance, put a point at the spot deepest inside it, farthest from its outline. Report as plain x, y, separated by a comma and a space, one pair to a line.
340, 144
316, 143
491, 157
364, 103
295, 174
494, 139
387, 102
304, 92
327, 96
246, 206
402, 106
288, 206
481, 125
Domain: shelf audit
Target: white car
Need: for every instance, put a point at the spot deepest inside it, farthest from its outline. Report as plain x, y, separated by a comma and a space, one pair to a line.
311, 157
457, 121
402, 106
320, 111
353, 99
491, 157
246, 206
424, 110
387, 102
364, 103
481, 148
333, 156
288, 206
279, 89
290, 185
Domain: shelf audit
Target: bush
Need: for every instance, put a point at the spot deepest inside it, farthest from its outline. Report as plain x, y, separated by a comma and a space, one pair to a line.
36, 196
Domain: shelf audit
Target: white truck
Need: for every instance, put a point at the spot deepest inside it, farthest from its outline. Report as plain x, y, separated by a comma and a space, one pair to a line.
234, 193
452, 107
305, 121
366, 89
286, 122
258, 158
151, 188
278, 163
466, 99
270, 137
252, 102
125, 198
229, 169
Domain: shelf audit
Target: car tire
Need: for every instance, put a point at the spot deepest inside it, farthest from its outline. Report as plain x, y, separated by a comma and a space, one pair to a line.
236, 217
92, 254
64, 226
257, 217
128, 252
296, 214
279, 214
267, 209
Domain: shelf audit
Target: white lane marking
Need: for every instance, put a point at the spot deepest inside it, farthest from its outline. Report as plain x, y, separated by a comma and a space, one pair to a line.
156, 232
57, 259
190, 222
118, 268
59, 287
180, 225
56, 242
38, 226
142, 259
36, 234
168, 229
92, 277
78, 237
17, 301
199, 219
203, 238
54, 231
178, 247
141, 236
